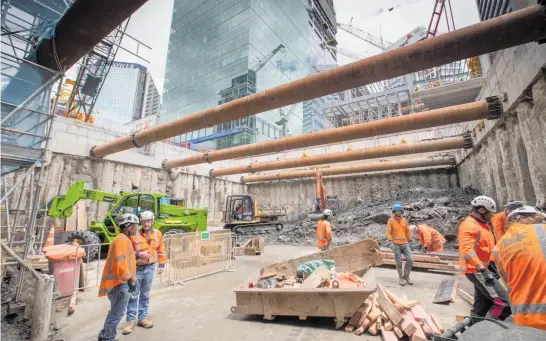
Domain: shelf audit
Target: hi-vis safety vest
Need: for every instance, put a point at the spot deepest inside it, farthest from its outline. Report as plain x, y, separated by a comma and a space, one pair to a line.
324, 233
499, 221
431, 238
398, 231
120, 264
155, 245
475, 244
520, 256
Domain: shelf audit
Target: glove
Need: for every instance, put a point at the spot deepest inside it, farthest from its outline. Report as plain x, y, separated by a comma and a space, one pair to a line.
160, 270
391, 245
424, 249
132, 285
488, 276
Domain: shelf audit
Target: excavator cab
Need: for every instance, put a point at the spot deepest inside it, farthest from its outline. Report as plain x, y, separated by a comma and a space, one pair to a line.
239, 208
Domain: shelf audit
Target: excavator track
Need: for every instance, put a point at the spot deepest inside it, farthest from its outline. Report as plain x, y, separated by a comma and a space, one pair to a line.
255, 229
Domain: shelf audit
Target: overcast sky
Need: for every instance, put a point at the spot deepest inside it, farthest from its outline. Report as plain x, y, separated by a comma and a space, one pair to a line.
151, 25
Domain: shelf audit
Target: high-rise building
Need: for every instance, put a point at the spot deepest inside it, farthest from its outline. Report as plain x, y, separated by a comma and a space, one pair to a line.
493, 8
221, 50
152, 99
313, 116
128, 94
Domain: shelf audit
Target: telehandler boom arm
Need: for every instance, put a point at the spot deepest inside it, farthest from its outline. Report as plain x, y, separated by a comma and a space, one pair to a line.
61, 205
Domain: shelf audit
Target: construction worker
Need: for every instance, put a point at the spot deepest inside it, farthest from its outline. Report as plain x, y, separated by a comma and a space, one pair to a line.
430, 239
118, 277
499, 219
475, 244
324, 231
520, 256
399, 237
150, 249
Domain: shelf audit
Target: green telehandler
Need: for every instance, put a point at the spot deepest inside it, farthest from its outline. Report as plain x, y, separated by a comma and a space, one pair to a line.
171, 216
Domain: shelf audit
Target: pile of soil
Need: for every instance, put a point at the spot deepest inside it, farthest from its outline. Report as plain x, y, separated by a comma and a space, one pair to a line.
442, 209
17, 326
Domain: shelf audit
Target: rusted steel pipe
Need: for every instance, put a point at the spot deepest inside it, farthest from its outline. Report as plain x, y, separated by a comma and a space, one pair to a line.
490, 108
363, 168
515, 28
353, 155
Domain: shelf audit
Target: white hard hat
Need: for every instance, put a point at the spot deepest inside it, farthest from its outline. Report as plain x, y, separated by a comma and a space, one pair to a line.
484, 201
327, 212
412, 228
126, 218
147, 215
525, 210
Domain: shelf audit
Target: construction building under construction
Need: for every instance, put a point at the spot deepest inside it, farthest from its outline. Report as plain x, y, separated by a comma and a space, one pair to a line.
427, 124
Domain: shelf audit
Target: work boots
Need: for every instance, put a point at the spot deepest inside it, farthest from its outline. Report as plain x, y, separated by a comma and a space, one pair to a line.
145, 324
406, 276
128, 328
401, 280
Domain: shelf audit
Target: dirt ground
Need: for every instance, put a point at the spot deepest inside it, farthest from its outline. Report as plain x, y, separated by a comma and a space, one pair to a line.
200, 309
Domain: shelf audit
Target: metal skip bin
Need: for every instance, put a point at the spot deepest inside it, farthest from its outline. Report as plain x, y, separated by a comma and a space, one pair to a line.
340, 303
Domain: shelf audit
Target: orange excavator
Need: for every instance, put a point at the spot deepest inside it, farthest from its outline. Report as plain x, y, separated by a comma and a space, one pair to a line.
323, 201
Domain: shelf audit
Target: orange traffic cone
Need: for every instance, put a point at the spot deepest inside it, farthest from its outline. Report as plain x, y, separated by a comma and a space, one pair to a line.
50, 241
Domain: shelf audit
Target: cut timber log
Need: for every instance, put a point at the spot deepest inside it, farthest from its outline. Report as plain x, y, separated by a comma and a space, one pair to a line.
316, 279
398, 332
446, 291
388, 335
429, 266
416, 258
465, 296
386, 305
418, 335
397, 300
437, 323
355, 257
419, 313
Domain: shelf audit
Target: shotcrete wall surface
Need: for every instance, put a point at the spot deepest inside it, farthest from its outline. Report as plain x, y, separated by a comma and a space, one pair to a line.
299, 195
509, 157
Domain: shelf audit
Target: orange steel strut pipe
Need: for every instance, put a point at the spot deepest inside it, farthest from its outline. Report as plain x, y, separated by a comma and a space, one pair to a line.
515, 28
490, 108
363, 168
354, 155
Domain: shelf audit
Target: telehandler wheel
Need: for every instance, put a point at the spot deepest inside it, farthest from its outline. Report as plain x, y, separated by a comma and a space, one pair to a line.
278, 227
86, 237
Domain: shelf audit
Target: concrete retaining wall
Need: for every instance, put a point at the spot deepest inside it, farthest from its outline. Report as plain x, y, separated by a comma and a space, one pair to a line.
509, 160
299, 195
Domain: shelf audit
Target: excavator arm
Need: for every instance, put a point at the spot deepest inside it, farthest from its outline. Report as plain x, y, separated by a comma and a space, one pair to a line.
61, 205
321, 193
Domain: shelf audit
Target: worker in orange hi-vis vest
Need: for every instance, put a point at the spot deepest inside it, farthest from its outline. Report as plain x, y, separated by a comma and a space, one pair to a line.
399, 236
499, 220
324, 231
150, 251
119, 275
429, 239
475, 244
520, 256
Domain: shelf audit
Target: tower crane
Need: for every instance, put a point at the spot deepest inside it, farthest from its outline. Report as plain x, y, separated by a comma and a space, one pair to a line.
284, 119
346, 53
267, 58
369, 38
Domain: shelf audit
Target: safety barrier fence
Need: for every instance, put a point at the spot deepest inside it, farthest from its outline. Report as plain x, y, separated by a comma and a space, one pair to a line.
189, 256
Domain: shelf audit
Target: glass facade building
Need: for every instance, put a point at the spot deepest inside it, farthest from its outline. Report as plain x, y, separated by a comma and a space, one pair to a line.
121, 98
221, 50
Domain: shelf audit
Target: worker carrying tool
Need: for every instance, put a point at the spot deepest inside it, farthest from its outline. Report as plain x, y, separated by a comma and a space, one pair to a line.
520, 256
324, 231
429, 239
118, 277
399, 236
149, 246
499, 219
475, 244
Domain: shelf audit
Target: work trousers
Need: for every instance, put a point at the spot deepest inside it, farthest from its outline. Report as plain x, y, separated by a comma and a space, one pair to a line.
490, 300
118, 296
399, 250
140, 298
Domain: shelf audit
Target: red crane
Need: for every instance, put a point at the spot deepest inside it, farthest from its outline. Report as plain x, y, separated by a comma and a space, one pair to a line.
440, 7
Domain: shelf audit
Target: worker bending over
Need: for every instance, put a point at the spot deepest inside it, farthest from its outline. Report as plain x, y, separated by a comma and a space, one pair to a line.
520, 256
399, 236
150, 249
499, 219
324, 231
429, 239
118, 277
475, 244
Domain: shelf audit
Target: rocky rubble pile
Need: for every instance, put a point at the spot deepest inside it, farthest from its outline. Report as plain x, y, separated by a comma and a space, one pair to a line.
442, 209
